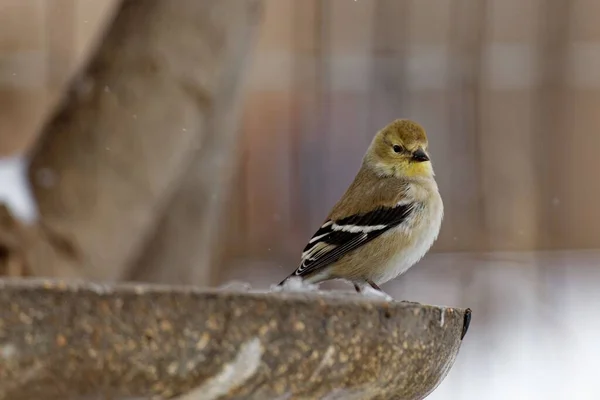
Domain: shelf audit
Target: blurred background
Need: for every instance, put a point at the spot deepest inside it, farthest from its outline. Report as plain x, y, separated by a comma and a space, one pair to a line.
509, 92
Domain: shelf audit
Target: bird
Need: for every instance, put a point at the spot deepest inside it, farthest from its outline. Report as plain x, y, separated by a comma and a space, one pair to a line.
386, 221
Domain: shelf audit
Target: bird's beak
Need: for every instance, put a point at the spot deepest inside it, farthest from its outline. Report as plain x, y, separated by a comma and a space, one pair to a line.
419, 155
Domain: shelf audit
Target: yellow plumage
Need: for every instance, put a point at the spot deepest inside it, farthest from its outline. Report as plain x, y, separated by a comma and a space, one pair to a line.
386, 220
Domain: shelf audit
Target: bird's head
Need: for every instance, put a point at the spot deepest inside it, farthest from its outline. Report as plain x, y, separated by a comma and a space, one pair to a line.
400, 149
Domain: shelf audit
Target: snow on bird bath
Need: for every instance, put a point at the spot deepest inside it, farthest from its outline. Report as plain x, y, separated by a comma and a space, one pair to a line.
298, 285
368, 291
295, 284
237, 286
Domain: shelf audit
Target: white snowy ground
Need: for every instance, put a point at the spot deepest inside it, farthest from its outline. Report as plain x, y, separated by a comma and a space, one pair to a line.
14, 190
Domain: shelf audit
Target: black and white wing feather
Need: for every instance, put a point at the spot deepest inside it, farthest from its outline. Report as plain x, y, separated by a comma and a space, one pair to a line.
334, 239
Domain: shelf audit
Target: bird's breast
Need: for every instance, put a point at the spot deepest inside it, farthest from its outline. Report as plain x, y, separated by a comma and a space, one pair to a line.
414, 238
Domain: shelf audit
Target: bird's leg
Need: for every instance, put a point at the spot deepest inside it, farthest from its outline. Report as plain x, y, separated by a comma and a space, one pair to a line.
369, 282
364, 289
374, 285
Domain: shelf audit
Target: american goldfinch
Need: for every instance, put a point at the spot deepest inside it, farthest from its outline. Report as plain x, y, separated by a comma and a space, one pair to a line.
386, 221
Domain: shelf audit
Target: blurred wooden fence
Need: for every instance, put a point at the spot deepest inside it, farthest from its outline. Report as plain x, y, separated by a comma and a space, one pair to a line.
42, 42
507, 89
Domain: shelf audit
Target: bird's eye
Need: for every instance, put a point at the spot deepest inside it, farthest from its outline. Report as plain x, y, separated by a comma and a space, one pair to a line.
397, 148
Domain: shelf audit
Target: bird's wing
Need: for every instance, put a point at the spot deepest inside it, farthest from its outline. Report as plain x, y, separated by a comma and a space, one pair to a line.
336, 238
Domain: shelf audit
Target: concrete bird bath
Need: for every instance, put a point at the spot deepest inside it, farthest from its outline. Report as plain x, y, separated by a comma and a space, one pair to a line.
77, 340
